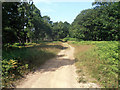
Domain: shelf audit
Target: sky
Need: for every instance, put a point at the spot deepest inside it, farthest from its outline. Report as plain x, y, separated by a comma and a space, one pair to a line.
62, 11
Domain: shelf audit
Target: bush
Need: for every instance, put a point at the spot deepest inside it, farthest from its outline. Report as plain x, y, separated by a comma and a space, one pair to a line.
101, 61
19, 60
69, 39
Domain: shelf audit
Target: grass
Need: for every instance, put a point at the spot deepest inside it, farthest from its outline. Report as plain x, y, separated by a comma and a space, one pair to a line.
69, 39
100, 60
20, 60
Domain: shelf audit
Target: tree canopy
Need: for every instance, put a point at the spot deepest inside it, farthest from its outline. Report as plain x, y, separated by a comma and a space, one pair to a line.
97, 24
22, 22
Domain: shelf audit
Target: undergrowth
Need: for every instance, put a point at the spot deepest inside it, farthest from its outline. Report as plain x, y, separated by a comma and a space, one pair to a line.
19, 60
101, 61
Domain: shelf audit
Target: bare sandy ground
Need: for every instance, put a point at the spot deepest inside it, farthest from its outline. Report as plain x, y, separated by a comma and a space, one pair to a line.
59, 72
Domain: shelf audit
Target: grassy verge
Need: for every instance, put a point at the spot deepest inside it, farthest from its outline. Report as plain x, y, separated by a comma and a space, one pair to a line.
20, 60
100, 61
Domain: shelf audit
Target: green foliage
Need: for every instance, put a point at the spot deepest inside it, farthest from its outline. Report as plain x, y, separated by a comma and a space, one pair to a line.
101, 61
97, 24
69, 39
11, 71
19, 60
23, 23
60, 30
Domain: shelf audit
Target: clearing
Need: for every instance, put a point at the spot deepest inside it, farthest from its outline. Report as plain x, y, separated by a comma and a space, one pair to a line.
59, 72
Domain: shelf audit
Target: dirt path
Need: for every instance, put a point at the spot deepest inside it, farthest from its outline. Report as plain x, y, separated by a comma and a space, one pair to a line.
59, 72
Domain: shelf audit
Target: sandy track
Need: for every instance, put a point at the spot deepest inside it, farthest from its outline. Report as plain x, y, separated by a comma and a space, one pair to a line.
59, 72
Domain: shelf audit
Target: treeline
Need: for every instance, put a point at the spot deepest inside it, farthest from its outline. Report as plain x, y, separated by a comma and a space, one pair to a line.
97, 24
22, 22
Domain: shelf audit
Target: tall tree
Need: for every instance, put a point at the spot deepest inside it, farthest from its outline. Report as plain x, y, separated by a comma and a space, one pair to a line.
99, 23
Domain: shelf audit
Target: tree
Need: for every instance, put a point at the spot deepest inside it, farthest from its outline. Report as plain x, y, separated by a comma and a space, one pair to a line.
99, 23
60, 30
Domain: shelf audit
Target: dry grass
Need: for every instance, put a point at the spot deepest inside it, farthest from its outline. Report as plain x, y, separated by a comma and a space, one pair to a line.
94, 65
29, 57
82, 67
